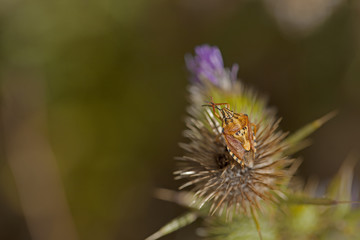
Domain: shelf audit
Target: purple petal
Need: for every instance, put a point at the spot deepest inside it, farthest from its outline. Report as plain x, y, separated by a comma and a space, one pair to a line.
207, 63
234, 72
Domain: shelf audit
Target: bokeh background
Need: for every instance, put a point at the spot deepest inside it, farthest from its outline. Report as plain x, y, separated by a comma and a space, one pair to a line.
93, 98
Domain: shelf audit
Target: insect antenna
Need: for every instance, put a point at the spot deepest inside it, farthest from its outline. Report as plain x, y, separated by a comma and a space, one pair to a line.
213, 105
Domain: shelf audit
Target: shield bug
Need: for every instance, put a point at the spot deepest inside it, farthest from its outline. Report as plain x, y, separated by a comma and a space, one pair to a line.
238, 131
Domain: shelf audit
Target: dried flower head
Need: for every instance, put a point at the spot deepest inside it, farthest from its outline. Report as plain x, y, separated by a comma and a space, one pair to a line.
207, 165
219, 181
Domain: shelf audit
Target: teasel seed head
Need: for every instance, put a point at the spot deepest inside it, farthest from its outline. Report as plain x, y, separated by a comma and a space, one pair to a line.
216, 181
207, 167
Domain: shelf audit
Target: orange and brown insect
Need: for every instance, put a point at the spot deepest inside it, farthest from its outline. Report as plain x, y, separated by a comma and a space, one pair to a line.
238, 131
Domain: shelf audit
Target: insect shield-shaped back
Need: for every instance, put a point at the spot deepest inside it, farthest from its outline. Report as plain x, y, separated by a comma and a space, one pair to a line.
238, 133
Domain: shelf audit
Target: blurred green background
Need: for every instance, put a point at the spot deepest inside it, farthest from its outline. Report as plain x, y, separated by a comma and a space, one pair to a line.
93, 98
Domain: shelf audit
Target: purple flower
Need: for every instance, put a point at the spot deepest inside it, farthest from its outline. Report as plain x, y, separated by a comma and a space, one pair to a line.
234, 72
207, 63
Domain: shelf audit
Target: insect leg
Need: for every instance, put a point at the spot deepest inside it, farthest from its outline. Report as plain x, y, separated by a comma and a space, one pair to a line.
251, 135
255, 127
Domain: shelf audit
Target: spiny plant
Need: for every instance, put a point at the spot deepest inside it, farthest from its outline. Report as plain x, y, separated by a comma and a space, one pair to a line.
237, 163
